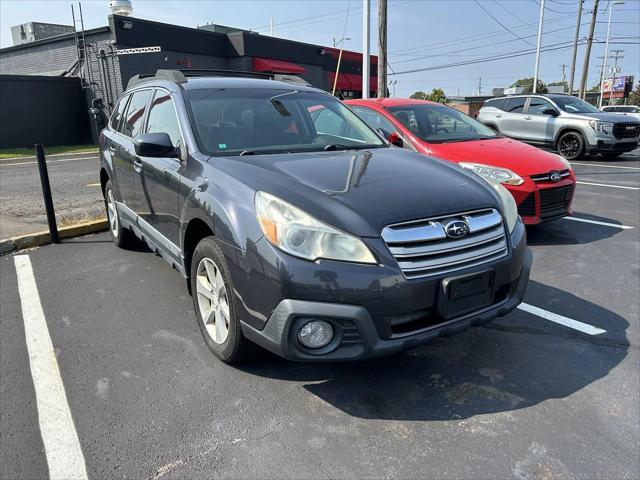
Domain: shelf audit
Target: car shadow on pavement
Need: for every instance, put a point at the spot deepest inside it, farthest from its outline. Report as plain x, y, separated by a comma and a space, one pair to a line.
570, 232
512, 364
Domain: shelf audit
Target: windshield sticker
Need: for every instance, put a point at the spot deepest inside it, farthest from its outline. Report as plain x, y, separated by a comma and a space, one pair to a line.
222, 146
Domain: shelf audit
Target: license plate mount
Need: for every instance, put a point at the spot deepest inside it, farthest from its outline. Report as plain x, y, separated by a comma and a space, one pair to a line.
466, 293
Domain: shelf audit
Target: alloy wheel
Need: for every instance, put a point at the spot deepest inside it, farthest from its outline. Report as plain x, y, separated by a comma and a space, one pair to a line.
213, 301
569, 146
112, 214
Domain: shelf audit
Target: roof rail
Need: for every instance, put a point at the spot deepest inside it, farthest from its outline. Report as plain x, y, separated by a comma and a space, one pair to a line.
180, 76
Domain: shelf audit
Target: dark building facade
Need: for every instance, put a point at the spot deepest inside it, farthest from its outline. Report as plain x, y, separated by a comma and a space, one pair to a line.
109, 56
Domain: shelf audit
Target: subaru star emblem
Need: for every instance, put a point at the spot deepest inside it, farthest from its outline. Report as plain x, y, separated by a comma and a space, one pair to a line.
555, 176
456, 229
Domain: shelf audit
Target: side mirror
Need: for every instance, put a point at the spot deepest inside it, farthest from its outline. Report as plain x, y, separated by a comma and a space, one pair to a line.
154, 145
394, 139
551, 112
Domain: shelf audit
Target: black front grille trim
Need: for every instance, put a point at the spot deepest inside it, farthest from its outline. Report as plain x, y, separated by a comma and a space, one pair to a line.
527, 207
620, 130
554, 202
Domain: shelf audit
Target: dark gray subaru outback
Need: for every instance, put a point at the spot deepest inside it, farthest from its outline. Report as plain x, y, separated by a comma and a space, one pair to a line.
297, 227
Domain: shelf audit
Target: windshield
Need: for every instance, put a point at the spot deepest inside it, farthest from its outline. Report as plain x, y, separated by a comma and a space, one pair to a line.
259, 121
574, 105
440, 124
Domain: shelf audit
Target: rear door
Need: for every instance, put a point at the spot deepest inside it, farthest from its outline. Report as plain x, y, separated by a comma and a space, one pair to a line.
512, 121
538, 126
132, 126
122, 176
159, 185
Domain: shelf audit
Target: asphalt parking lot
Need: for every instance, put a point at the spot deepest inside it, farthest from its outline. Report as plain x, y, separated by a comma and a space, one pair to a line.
550, 391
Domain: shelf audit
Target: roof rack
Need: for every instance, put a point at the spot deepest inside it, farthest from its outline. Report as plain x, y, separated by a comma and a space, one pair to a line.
180, 76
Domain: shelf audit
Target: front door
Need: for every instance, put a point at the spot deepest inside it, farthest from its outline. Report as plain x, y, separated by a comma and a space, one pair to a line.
512, 121
159, 178
538, 126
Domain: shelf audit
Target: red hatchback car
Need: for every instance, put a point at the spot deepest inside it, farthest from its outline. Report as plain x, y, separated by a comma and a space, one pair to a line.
542, 183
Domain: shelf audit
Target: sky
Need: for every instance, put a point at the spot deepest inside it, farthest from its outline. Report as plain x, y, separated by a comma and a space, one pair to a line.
427, 39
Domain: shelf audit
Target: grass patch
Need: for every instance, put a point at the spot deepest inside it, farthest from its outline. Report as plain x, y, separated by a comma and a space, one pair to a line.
30, 151
67, 220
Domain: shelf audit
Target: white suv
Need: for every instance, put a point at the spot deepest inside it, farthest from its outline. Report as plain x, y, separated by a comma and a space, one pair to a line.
571, 126
631, 110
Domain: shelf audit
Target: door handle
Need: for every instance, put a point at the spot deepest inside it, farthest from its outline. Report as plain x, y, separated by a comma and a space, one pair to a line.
112, 148
527, 117
137, 165
498, 116
166, 175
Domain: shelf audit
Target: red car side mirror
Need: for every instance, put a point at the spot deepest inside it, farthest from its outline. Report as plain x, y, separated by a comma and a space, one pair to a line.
394, 139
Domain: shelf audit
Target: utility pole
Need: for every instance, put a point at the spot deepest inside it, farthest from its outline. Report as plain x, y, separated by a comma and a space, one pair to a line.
366, 20
575, 48
382, 48
587, 52
479, 86
393, 86
617, 55
564, 77
535, 72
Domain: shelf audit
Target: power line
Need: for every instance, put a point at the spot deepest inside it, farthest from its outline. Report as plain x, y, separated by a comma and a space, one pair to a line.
500, 23
509, 12
508, 55
550, 9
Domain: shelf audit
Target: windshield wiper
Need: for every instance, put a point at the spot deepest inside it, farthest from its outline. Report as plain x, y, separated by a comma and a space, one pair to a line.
335, 146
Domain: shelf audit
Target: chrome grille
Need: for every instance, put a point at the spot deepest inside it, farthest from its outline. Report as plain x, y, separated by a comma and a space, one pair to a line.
546, 177
422, 247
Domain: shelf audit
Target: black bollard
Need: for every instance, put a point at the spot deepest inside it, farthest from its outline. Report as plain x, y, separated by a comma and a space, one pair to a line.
46, 193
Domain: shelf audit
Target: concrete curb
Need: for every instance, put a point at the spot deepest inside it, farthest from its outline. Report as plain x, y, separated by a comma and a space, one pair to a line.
40, 238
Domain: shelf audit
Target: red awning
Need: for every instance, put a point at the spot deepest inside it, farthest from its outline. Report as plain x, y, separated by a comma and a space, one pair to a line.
351, 82
276, 66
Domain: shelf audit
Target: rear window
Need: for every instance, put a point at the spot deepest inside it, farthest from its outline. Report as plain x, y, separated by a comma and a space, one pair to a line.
496, 103
118, 112
515, 105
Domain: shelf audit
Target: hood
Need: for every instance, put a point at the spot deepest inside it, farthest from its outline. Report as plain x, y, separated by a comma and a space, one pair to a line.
363, 191
523, 159
603, 117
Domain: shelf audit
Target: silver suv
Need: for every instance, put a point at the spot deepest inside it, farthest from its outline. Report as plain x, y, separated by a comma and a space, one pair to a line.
571, 126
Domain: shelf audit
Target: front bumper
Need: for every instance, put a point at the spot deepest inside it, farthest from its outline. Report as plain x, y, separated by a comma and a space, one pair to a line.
603, 143
363, 315
543, 201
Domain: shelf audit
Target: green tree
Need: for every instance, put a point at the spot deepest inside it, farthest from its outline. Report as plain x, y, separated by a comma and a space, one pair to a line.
527, 83
437, 95
419, 95
634, 96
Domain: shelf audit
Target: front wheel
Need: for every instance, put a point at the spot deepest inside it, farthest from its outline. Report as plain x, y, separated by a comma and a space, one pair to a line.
571, 145
214, 303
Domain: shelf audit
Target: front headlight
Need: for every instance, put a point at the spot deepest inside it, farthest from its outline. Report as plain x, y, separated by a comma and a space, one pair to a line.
495, 174
509, 207
299, 234
601, 127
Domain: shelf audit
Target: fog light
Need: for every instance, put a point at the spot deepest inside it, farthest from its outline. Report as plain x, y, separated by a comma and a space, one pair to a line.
315, 334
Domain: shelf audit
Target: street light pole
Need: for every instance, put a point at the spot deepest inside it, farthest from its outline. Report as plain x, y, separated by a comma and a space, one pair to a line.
335, 80
535, 73
366, 63
393, 86
606, 52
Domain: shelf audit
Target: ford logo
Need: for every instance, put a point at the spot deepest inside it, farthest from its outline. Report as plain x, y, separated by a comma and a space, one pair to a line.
555, 176
456, 229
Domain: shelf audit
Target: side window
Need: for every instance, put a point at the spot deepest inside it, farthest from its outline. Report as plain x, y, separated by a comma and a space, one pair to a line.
498, 103
116, 117
515, 105
132, 126
163, 117
375, 120
538, 105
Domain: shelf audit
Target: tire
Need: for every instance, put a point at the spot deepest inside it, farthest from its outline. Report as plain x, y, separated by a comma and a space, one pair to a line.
611, 156
571, 145
122, 237
214, 301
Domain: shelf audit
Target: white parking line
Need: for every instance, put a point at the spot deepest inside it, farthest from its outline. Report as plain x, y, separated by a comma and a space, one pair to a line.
604, 224
604, 166
607, 185
59, 436
562, 320
49, 161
